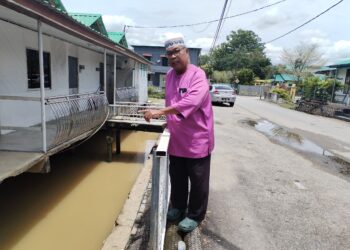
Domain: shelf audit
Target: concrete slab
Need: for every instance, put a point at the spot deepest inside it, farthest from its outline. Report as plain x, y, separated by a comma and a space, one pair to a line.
27, 139
137, 124
15, 163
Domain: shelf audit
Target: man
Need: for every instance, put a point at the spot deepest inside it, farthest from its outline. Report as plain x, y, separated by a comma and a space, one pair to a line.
190, 122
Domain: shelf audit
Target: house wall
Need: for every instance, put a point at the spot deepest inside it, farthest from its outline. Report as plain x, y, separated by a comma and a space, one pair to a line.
14, 41
341, 74
125, 73
142, 84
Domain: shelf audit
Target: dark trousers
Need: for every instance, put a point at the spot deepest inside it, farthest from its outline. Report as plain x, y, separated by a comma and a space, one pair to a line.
197, 171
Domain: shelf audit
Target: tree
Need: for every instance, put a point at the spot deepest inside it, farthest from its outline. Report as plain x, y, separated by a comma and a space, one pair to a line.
301, 58
243, 49
222, 76
204, 63
245, 76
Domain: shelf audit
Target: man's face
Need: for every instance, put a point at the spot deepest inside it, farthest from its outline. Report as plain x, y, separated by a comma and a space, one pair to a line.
178, 58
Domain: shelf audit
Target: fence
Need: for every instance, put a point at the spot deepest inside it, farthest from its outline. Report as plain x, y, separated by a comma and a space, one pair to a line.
250, 90
66, 118
131, 111
126, 94
76, 114
160, 192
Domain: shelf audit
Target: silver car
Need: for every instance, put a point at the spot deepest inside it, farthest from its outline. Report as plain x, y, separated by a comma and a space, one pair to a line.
222, 93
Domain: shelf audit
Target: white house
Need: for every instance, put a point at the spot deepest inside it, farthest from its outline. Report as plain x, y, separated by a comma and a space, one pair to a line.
57, 76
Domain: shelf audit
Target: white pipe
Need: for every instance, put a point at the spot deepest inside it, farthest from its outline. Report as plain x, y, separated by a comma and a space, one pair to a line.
105, 72
42, 84
115, 77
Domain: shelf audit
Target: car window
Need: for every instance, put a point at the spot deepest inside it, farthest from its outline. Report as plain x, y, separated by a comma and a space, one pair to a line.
223, 87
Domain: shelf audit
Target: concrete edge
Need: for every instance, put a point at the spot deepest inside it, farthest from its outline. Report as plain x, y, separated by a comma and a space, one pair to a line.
120, 235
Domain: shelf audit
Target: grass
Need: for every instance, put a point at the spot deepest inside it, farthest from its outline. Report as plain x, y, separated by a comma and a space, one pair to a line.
288, 105
156, 100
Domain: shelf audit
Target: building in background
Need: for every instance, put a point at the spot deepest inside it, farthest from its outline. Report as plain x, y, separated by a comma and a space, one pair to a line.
159, 66
340, 71
284, 79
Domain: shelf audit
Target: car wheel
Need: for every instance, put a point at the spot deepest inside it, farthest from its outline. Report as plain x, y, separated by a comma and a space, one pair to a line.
232, 104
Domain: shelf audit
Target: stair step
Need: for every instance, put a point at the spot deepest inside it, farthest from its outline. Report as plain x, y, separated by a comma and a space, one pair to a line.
346, 111
342, 117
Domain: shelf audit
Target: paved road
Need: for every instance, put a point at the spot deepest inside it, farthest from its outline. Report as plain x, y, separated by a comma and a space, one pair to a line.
330, 133
266, 196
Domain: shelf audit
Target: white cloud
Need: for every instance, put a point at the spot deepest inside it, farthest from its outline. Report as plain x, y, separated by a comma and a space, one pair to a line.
202, 42
339, 50
273, 52
277, 17
168, 35
116, 22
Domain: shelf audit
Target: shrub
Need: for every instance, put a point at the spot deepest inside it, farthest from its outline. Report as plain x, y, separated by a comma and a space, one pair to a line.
315, 88
282, 93
246, 76
154, 92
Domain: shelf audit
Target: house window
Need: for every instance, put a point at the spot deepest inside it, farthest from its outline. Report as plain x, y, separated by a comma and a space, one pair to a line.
147, 56
164, 61
34, 71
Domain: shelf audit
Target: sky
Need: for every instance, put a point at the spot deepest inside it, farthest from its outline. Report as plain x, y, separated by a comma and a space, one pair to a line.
330, 31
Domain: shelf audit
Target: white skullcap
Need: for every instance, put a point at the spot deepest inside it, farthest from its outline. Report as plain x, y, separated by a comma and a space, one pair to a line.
174, 41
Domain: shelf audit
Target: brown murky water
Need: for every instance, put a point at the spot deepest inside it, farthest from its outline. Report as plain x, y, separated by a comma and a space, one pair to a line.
73, 207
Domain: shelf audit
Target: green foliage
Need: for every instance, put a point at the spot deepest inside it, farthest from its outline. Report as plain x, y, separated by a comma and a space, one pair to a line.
277, 69
313, 87
245, 76
222, 76
204, 63
154, 92
243, 49
282, 93
204, 59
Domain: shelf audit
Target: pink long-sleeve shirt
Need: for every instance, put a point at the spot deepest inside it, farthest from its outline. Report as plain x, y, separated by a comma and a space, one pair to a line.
191, 131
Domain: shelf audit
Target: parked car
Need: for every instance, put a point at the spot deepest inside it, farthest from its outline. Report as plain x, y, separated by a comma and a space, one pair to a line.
222, 93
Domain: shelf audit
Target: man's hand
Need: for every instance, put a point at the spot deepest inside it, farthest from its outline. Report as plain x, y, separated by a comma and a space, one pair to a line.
151, 114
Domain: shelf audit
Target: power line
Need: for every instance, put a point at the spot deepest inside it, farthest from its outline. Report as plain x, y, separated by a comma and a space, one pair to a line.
224, 20
207, 22
307, 22
219, 26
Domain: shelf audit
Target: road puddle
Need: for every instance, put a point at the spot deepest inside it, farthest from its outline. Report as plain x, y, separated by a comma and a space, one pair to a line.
76, 204
284, 137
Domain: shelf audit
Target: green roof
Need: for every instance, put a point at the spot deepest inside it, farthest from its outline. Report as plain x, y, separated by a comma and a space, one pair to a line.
118, 38
324, 69
57, 4
284, 78
93, 21
342, 63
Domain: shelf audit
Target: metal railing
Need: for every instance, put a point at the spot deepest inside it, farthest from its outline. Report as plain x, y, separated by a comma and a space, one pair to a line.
126, 94
76, 114
160, 193
131, 111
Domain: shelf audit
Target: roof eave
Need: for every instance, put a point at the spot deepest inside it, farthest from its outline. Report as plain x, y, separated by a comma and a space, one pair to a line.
64, 22
338, 66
